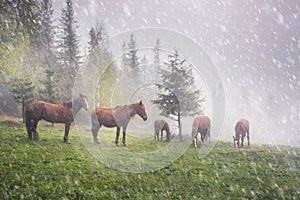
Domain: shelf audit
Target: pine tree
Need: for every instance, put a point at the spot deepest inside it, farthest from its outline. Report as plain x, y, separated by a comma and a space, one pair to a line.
101, 61
68, 55
133, 60
132, 53
178, 98
124, 50
22, 90
156, 59
97, 36
47, 33
20, 18
49, 92
156, 50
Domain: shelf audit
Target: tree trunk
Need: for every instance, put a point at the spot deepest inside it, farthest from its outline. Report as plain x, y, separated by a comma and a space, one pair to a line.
23, 110
179, 126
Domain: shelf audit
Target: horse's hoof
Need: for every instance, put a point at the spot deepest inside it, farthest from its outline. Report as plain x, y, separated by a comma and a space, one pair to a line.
96, 142
67, 142
125, 145
117, 145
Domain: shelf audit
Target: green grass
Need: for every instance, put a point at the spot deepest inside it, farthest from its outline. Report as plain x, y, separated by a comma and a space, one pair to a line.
51, 169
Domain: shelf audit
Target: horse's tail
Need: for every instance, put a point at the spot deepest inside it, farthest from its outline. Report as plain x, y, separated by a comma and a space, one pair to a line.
94, 119
28, 121
95, 126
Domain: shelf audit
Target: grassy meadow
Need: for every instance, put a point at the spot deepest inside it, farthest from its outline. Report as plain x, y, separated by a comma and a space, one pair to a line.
51, 169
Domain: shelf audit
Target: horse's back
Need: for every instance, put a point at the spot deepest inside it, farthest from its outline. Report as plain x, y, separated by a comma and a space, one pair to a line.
105, 116
55, 113
35, 110
201, 122
242, 127
160, 124
244, 124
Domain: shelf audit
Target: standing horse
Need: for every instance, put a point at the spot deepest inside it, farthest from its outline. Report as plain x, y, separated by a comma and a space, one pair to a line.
161, 125
241, 128
201, 125
55, 113
116, 117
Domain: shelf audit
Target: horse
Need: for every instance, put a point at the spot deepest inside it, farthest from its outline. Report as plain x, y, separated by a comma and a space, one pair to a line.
161, 125
201, 125
116, 117
241, 129
54, 113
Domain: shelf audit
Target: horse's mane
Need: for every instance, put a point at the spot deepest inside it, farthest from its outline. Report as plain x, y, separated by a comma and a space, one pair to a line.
68, 104
119, 107
125, 108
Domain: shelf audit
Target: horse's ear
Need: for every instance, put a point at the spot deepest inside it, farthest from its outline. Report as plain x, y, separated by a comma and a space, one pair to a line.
141, 102
80, 95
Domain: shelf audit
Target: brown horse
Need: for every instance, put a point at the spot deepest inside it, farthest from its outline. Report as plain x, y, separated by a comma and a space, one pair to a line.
241, 128
55, 113
201, 125
161, 125
116, 117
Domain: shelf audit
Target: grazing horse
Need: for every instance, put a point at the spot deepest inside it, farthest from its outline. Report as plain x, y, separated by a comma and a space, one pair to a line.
55, 113
116, 117
241, 128
161, 125
201, 125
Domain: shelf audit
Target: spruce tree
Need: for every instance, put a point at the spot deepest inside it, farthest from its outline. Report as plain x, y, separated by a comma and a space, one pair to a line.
49, 92
100, 60
20, 18
47, 33
178, 97
68, 50
22, 90
133, 60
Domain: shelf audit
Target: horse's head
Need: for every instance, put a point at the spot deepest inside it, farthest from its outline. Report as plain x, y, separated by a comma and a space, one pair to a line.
140, 109
236, 141
82, 100
170, 136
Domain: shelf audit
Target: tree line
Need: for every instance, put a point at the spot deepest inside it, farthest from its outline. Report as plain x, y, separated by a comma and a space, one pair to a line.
40, 60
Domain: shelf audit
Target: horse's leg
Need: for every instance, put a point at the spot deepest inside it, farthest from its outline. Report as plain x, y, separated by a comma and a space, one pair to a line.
67, 129
124, 136
242, 144
156, 137
248, 138
161, 134
35, 133
202, 137
117, 136
194, 137
29, 127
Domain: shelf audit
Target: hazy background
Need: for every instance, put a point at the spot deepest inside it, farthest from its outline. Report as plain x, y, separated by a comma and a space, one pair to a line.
255, 46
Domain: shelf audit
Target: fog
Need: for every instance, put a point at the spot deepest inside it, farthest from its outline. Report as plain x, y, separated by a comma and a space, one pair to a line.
254, 45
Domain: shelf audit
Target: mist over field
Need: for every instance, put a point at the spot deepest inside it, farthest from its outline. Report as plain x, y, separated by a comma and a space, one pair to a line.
255, 46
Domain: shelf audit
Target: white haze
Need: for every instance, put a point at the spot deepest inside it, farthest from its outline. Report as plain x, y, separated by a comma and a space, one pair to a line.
255, 46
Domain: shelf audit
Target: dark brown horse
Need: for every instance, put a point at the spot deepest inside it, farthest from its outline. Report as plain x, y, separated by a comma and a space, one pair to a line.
55, 113
160, 126
116, 117
201, 125
241, 129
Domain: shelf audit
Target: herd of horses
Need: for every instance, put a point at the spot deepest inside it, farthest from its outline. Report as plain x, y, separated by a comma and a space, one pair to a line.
118, 117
